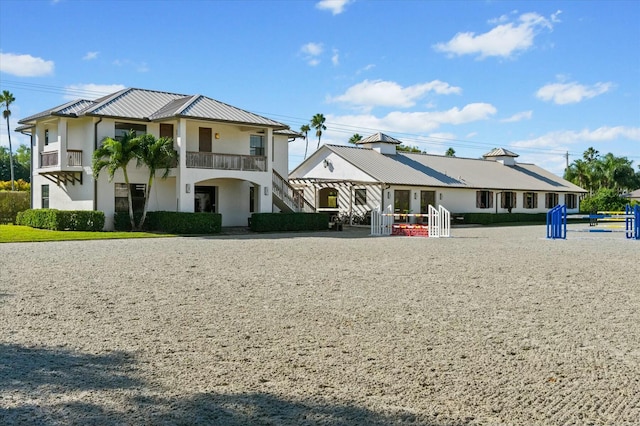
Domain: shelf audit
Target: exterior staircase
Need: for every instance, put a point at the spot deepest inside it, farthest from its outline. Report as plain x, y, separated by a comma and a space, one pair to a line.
286, 198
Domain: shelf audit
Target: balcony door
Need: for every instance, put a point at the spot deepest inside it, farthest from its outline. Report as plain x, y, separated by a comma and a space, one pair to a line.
166, 130
204, 139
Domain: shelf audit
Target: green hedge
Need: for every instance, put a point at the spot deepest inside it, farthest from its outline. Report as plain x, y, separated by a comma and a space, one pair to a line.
12, 202
491, 218
278, 222
62, 220
173, 222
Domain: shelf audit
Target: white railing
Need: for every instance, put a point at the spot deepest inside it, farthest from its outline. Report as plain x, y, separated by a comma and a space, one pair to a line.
439, 221
75, 157
210, 160
382, 222
288, 194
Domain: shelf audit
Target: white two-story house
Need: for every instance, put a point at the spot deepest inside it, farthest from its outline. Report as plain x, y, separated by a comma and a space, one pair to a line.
231, 161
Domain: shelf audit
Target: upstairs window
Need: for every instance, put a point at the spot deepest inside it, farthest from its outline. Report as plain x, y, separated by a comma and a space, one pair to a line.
256, 145
122, 128
530, 200
484, 199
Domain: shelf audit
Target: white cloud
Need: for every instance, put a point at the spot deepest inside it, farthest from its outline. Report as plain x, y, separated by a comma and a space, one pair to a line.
90, 56
369, 94
311, 52
569, 93
568, 137
504, 40
519, 116
25, 65
335, 59
90, 90
139, 66
413, 122
335, 6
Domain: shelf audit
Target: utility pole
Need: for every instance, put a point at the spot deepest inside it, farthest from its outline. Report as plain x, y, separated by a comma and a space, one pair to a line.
566, 156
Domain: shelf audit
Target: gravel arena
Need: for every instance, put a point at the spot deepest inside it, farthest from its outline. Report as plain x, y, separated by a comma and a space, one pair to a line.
494, 326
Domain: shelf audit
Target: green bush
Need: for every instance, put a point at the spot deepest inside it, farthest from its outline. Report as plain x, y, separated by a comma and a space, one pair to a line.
173, 222
492, 218
279, 222
12, 202
62, 220
603, 200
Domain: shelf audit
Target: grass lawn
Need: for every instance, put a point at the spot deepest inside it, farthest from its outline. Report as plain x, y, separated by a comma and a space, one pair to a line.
21, 234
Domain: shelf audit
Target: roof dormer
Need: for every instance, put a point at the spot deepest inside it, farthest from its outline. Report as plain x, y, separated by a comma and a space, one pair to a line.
501, 155
380, 142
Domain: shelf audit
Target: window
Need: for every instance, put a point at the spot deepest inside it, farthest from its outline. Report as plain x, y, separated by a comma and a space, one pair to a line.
401, 200
550, 200
508, 200
46, 137
256, 145
484, 199
530, 200
252, 199
571, 201
328, 198
122, 128
204, 139
45, 196
361, 197
166, 130
137, 197
427, 198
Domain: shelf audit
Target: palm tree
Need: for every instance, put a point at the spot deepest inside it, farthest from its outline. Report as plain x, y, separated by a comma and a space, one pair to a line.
355, 138
450, 152
157, 155
305, 129
7, 98
116, 154
317, 122
591, 154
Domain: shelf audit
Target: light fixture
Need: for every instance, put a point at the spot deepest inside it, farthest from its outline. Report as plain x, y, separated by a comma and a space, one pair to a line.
388, 195
326, 162
266, 190
187, 188
217, 135
440, 196
415, 195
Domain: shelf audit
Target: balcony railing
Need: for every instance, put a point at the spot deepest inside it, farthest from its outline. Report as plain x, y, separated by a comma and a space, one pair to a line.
50, 159
210, 160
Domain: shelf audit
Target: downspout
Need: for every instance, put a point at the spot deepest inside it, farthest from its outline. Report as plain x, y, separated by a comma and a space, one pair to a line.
95, 181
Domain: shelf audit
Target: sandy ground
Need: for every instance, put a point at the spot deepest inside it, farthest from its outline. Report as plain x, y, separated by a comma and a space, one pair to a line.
493, 326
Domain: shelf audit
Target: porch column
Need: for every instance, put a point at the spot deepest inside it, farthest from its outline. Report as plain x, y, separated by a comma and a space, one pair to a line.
63, 161
185, 199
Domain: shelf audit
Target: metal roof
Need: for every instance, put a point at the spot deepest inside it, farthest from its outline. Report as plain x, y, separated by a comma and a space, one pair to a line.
146, 105
72, 108
415, 169
378, 137
500, 152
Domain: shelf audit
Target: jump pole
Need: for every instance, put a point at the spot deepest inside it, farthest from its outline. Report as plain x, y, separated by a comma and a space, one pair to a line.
557, 222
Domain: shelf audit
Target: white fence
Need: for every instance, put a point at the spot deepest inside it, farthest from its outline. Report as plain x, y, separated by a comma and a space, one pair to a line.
382, 223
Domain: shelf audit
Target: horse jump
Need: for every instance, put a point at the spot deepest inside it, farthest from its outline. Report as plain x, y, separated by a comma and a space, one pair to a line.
557, 222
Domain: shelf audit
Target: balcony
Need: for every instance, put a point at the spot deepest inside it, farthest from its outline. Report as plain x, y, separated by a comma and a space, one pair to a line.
50, 159
210, 160
70, 171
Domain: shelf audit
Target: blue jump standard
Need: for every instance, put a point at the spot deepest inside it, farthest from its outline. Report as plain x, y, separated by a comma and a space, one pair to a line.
557, 222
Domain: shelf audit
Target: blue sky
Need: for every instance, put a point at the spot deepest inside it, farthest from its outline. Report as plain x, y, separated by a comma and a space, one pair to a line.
539, 78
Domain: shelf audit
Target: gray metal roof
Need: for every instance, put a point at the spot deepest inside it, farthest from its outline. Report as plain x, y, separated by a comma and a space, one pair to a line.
417, 169
378, 137
288, 132
72, 108
500, 152
146, 105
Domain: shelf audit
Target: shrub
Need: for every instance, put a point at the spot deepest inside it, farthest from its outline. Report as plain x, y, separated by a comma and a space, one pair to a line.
173, 222
491, 218
19, 185
278, 222
12, 202
62, 220
603, 200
